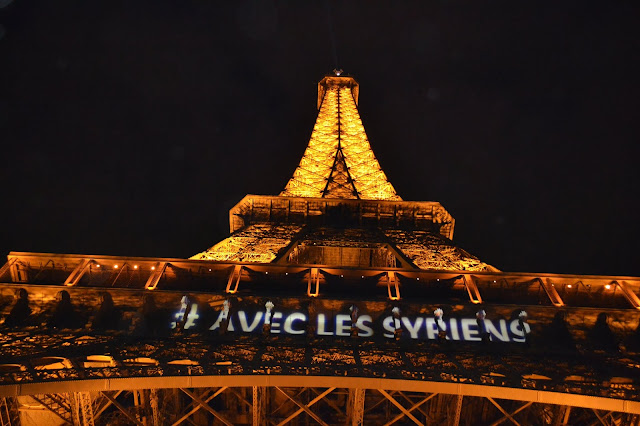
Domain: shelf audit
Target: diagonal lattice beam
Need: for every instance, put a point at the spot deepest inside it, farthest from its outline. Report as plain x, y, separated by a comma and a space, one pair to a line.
410, 409
329, 402
206, 406
401, 407
497, 422
601, 418
105, 405
410, 401
198, 406
123, 410
45, 405
300, 392
304, 407
503, 411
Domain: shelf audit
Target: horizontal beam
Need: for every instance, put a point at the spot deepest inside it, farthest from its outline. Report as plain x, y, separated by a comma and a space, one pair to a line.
146, 262
515, 394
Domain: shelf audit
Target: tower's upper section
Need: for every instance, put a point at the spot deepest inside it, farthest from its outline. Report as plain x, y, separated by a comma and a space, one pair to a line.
339, 162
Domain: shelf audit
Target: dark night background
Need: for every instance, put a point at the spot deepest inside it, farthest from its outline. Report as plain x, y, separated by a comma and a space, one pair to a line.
131, 127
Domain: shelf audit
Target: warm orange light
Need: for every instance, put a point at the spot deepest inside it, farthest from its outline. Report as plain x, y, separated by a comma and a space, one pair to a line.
135, 266
608, 286
339, 133
115, 266
153, 268
569, 286
97, 265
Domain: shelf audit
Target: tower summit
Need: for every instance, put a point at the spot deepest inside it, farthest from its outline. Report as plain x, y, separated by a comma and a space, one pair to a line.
339, 209
339, 162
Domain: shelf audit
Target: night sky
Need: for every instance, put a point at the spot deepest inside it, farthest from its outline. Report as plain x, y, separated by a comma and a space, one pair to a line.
131, 127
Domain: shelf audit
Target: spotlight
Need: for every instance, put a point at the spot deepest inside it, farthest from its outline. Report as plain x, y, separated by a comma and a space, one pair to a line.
115, 266
135, 266
418, 279
569, 286
153, 268
608, 286
97, 265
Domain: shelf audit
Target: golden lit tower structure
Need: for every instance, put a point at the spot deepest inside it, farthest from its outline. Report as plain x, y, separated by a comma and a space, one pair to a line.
339, 208
335, 302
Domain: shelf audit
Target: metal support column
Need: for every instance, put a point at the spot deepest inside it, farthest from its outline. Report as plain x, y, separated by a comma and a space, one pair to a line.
355, 407
9, 414
259, 405
456, 415
155, 410
82, 408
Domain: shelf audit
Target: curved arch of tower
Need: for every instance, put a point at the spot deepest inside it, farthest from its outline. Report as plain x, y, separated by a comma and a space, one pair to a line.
334, 302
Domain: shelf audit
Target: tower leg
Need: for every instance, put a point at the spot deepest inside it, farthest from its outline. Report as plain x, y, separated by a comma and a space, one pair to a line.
456, 415
355, 406
82, 408
259, 405
155, 411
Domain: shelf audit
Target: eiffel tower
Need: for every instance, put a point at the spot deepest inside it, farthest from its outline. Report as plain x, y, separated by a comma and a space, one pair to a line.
339, 208
334, 302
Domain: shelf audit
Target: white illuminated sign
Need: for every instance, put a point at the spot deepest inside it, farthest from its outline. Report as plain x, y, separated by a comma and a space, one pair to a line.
326, 324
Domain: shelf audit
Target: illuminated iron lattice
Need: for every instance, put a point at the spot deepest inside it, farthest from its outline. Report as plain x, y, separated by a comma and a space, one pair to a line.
339, 208
339, 162
430, 251
255, 243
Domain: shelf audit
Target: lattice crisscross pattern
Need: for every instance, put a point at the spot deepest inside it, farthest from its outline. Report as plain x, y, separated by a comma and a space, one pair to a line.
339, 162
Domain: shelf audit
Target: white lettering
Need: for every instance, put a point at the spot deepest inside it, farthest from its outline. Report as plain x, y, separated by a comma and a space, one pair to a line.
275, 325
387, 323
288, 323
453, 326
432, 328
502, 334
470, 330
343, 329
413, 328
221, 317
192, 316
179, 316
321, 326
518, 332
367, 331
243, 321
